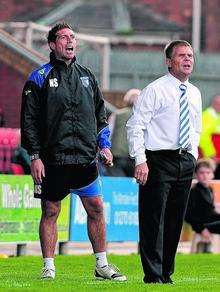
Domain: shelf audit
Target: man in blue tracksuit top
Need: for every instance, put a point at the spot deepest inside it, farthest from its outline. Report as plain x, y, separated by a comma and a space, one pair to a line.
63, 124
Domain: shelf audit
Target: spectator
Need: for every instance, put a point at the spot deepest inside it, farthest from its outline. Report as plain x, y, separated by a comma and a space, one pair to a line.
210, 136
201, 214
123, 164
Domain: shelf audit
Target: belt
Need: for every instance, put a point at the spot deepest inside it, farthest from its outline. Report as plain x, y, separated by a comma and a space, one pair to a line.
179, 151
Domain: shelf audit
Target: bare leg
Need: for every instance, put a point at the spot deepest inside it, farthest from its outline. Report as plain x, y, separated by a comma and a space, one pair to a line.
96, 232
48, 227
95, 222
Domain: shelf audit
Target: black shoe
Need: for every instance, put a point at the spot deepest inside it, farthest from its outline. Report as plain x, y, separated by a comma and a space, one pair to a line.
167, 280
150, 279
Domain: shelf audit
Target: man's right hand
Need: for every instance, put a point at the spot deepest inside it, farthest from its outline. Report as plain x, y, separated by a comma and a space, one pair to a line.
141, 173
37, 170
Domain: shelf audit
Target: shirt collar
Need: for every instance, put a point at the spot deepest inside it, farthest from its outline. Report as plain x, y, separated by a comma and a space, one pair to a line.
176, 81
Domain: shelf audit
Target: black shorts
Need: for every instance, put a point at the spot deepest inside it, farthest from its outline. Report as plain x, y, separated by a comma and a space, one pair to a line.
60, 179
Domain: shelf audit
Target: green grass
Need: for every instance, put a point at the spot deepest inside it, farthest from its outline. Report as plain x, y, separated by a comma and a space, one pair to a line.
75, 273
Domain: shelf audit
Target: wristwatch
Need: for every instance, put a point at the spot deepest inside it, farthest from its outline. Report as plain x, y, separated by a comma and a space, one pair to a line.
34, 156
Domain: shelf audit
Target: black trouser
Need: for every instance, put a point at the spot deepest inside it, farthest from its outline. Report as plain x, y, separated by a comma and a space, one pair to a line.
162, 206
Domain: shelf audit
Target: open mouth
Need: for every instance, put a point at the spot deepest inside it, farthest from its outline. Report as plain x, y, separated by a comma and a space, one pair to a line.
69, 49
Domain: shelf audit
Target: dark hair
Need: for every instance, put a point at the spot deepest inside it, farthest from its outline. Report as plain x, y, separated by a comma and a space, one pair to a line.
208, 163
169, 47
52, 34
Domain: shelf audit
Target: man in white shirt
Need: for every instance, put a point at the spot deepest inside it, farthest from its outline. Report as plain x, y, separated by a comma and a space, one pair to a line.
163, 135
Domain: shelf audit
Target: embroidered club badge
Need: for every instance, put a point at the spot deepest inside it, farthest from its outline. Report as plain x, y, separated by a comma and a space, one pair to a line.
85, 81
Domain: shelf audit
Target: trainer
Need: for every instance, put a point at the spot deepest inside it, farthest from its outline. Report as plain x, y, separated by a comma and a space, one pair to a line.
163, 135
63, 123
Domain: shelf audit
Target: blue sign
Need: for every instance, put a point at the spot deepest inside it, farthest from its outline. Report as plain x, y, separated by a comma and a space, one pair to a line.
120, 197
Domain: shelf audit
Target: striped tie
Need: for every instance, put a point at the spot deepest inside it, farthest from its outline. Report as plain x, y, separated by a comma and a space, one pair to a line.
184, 118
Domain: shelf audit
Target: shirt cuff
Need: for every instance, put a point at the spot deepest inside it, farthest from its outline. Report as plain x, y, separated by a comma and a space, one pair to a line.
140, 159
103, 138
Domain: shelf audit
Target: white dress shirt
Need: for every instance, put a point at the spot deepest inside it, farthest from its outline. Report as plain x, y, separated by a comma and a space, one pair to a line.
154, 124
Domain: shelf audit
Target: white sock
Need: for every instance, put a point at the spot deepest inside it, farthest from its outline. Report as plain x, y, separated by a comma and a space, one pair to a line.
49, 263
101, 259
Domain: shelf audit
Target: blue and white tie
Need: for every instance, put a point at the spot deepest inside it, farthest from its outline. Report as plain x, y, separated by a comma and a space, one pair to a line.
184, 118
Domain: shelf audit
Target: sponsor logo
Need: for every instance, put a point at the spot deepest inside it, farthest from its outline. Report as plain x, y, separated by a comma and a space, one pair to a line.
85, 81
41, 71
53, 82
